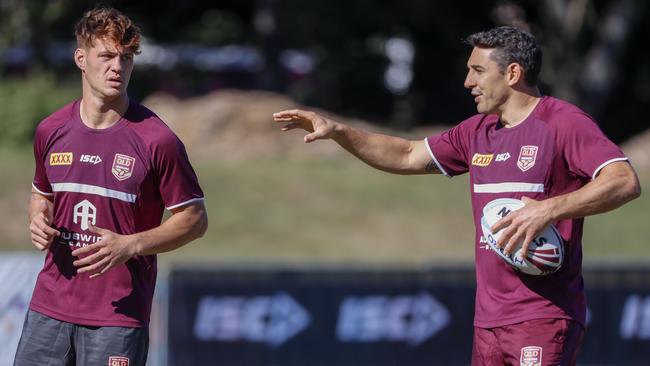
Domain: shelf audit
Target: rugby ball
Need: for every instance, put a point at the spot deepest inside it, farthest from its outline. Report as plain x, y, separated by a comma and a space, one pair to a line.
546, 252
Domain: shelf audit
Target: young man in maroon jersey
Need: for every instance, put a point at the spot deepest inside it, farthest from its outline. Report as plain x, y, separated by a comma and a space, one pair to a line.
521, 145
106, 168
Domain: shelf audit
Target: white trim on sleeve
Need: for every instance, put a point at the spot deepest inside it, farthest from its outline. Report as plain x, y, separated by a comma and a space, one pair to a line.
601, 166
426, 143
185, 203
41, 192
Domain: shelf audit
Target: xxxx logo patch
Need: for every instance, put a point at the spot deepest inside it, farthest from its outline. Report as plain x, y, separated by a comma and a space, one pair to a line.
482, 159
64, 158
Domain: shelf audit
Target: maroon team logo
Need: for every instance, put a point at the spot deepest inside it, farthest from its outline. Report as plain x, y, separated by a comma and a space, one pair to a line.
118, 361
527, 156
531, 356
122, 166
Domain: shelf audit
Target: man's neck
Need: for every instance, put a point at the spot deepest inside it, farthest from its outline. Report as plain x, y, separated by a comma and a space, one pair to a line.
101, 114
518, 107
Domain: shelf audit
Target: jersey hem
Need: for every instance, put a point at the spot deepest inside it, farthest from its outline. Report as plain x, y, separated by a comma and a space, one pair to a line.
519, 319
86, 322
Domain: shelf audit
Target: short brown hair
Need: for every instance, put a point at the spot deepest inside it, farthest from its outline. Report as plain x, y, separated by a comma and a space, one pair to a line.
108, 24
511, 45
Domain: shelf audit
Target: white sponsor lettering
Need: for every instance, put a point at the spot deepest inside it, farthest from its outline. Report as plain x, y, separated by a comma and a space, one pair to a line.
635, 320
267, 319
93, 159
84, 212
483, 243
78, 240
503, 157
410, 318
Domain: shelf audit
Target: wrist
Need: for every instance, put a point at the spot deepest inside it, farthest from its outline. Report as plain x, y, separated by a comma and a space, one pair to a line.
553, 210
135, 246
339, 129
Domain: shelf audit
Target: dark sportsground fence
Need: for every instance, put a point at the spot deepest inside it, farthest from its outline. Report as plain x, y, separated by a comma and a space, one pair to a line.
343, 316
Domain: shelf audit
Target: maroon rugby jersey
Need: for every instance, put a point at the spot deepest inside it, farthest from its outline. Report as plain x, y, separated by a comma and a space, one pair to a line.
556, 150
121, 179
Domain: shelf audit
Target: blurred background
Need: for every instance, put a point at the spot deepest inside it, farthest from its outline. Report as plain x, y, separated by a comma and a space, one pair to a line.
288, 218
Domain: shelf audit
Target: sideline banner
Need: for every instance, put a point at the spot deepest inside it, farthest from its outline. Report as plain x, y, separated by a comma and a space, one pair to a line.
18, 272
320, 317
343, 317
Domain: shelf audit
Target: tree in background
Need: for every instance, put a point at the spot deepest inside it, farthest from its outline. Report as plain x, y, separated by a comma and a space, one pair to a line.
591, 57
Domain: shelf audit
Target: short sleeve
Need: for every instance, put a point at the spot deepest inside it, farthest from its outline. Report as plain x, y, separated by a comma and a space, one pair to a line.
177, 181
41, 183
585, 147
449, 149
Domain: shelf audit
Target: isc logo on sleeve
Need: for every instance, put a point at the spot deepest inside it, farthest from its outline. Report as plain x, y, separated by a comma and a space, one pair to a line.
92, 159
64, 158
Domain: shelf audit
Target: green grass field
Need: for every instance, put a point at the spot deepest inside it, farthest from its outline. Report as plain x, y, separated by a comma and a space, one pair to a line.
333, 211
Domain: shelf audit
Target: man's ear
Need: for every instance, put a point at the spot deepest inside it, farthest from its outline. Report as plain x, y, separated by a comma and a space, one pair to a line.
80, 58
514, 73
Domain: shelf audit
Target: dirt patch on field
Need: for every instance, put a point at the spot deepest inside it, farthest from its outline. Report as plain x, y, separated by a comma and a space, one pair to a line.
233, 124
236, 124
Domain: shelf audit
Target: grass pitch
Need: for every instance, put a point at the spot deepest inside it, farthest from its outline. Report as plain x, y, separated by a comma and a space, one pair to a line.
334, 210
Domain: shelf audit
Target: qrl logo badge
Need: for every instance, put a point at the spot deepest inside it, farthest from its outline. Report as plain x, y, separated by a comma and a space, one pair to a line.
527, 156
531, 356
118, 361
482, 159
84, 212
122, 166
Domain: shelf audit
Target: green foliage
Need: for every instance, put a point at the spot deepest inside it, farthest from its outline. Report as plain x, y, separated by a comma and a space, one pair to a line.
24, 102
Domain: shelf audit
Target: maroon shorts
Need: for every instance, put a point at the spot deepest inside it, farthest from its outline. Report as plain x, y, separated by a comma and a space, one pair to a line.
536, 342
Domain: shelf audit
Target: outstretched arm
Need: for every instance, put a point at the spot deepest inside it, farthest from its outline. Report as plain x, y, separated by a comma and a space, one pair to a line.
187, 223
616, 184
387, 153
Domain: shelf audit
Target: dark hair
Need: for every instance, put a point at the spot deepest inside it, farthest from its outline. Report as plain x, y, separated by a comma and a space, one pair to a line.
109, 24
511, 45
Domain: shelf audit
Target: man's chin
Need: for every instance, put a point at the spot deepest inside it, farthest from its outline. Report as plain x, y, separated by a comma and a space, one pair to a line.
114, 92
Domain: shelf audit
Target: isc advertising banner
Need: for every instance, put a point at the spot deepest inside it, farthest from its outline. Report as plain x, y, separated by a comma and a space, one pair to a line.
18, 273
371, 317
319, 317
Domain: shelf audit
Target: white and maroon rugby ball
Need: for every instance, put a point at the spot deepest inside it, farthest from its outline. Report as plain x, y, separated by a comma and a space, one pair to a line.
546, 252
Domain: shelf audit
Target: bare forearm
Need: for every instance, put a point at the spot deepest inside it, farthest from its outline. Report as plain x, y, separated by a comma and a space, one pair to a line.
34, 207
615, 186
387, 153
178, 230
